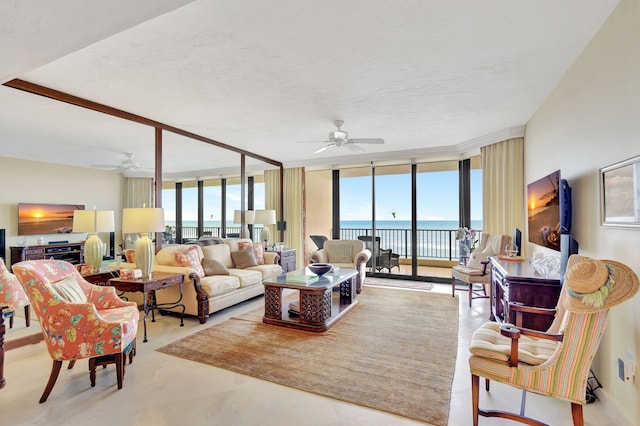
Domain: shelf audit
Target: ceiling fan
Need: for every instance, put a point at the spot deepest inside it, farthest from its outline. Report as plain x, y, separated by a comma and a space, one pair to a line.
127, 165
340, 138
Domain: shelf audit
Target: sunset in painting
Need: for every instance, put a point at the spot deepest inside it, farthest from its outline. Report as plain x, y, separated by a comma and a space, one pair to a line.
42, 219
543, 201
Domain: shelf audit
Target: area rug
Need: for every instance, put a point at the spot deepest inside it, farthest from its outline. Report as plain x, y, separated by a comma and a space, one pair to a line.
396, 351
385, 282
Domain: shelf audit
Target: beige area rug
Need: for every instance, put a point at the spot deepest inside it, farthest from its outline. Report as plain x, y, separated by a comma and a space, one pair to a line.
386, 282
396, 351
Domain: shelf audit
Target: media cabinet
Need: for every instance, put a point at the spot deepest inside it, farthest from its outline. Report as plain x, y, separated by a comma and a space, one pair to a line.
517, 282
71, 252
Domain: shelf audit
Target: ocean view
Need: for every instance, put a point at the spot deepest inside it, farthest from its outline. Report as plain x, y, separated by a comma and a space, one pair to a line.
361, 224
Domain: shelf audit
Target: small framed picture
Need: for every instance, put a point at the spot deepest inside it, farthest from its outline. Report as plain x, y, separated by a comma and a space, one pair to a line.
620, 194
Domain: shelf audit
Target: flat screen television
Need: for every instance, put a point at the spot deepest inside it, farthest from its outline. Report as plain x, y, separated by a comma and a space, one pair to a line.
42, 219
543, 202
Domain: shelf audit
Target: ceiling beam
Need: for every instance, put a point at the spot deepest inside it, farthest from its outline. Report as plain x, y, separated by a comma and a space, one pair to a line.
105, 109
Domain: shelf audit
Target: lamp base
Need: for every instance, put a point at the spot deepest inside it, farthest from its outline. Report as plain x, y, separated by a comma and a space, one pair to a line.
145, 253
93, 250
264, 235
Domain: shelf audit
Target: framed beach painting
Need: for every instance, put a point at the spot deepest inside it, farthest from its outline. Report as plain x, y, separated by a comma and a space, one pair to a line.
620, 194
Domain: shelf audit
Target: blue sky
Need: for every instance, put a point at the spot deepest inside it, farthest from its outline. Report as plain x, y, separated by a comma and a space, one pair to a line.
437, 198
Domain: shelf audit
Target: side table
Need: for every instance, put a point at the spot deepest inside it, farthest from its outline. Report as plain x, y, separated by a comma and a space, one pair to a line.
148, 286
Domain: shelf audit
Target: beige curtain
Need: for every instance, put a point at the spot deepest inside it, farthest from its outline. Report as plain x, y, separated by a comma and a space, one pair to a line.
503, 186
294, 189
138, 192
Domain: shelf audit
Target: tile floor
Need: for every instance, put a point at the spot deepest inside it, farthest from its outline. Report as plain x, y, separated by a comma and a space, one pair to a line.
160, 389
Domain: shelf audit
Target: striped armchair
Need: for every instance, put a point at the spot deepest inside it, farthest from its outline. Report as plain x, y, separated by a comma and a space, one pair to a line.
555, 363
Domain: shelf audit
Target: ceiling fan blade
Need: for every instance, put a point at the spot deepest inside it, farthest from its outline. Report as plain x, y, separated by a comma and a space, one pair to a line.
312, 141
351, 147
324, 148
374, 140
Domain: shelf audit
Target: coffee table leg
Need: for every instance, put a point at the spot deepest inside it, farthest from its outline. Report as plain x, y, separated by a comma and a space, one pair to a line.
273, 302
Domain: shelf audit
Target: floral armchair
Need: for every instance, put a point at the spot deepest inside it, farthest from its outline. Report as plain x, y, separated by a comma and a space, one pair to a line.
350, 254
78, 319
12, 296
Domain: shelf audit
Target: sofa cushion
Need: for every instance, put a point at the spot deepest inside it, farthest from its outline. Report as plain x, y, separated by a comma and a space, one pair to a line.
213, 267
258, 250
216, 285
267, 270
233, 243
189, 257
69, 290
219, 252
247, 277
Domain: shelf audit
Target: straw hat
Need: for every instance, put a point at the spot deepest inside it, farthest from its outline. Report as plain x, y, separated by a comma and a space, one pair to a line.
595, 285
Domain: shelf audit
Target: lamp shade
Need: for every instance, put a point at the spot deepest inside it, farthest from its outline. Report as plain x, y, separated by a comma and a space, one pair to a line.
265, 217
249, 216
139, 220
93, 221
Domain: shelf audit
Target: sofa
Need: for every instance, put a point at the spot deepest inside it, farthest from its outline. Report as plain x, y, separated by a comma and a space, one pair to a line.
350, 254
218, 273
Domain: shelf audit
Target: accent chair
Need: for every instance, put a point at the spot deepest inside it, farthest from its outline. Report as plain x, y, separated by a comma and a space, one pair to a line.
78, 319
348, 254
557, 362
12, 296
474, 274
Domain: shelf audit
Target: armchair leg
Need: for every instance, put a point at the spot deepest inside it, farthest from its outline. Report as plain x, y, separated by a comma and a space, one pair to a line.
27, 316
576, 414
120, 367
475, 395
55, 370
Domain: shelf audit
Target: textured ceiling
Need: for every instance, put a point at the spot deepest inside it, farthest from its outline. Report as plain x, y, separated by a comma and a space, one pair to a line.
434, 79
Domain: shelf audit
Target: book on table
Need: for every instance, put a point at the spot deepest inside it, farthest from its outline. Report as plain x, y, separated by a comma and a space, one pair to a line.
303, 279
294, 308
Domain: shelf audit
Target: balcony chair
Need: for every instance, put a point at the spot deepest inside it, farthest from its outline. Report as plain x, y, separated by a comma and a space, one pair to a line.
384, 258
78, 319
348, 254
475, 274
12, 296
318, 240
554, 363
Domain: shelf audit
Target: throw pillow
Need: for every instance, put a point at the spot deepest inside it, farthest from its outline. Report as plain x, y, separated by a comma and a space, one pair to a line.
476, 259
244, 258
190, 259
258, 250
130, 255
213, 267
69, 290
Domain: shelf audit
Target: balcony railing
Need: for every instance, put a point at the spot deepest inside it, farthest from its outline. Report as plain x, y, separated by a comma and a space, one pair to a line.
437, 244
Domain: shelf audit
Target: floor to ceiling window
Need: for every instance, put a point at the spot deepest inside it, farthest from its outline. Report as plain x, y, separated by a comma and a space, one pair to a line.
418, 228
183, 215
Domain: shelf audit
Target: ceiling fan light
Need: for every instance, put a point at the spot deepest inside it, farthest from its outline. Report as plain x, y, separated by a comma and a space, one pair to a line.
338, 135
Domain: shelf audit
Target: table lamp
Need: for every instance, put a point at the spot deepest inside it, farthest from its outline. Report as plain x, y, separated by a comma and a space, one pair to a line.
249, 219
265, 217
93, 221
143, 221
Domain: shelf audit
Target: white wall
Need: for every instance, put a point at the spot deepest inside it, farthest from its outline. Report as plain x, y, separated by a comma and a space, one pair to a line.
591, 120
35, 182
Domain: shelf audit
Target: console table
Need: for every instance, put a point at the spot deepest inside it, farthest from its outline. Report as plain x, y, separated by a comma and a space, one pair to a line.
71, 252
517, 282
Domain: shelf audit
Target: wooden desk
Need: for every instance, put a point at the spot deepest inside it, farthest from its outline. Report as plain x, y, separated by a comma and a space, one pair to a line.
148, 286
517, 281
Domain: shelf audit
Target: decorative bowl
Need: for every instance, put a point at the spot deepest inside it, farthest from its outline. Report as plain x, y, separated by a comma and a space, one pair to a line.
320, 268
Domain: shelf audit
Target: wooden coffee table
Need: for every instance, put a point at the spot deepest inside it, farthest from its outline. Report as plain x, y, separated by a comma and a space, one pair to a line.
320, 306
148, 286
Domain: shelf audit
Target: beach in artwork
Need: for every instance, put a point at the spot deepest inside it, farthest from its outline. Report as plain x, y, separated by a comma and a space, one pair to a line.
543, 200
